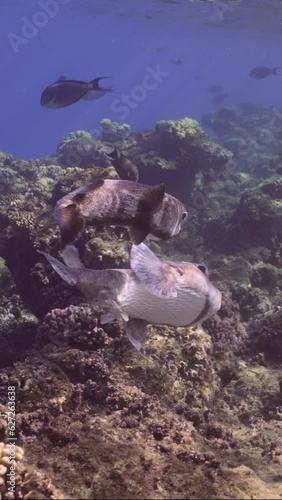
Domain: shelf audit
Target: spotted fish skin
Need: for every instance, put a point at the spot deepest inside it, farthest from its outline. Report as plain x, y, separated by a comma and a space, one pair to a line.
143, 209
171, 293
189, 308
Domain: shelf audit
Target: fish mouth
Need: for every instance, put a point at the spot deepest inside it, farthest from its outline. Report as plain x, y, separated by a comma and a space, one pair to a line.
176, 229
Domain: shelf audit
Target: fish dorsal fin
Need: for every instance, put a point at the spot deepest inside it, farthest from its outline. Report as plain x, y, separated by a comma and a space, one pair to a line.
68, 274
135, 330
81, 192
148, 203
157, 277
153, 196
61, 79
70, 222
71, 257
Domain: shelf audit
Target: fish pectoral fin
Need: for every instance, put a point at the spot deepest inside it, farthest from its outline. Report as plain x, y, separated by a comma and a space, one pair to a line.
110, 306
157, 277
68, 274
138, 233
135, 330
107, 318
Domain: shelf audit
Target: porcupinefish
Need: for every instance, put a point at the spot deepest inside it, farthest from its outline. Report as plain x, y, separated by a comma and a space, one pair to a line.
66, 92
145, 210
151, 292
125, 168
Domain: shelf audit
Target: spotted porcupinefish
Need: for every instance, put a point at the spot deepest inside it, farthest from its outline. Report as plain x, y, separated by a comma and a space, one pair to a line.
145, 210
151, 292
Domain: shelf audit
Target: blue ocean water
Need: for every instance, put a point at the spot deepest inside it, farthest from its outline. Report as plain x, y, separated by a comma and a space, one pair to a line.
219, 42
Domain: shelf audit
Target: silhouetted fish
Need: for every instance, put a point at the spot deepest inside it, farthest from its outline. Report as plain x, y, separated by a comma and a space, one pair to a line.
145, 210
151, 292
215, 89
66, 92
276, 163
219, 98
263, 71
125, 168
176, 61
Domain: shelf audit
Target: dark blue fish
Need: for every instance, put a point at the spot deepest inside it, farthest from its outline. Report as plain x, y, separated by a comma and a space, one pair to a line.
263, 72
66, 92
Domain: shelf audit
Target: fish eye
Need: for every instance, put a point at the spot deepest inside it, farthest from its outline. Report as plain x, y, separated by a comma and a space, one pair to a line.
202, 268
184, 215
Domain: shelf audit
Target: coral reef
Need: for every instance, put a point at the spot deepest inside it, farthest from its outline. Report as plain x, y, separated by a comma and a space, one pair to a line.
18, 480
196, 415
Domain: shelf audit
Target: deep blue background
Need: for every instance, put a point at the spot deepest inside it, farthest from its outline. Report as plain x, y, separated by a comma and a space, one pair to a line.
120, 39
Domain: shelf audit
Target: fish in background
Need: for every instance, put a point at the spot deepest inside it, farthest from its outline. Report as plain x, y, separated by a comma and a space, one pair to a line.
176, 61
215, 89
144, 210
276, 163
125, 168
262, 72
219, 98
151, 292
65, 92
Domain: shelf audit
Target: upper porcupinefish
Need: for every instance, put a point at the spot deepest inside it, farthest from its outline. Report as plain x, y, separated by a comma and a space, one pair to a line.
143, 209
152, 291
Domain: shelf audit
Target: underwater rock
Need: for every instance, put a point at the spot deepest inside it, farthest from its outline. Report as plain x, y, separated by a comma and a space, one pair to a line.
187, 137
109, 249
259, 215
19, 480
80, 149
75, 326
224, 334
266, 334
274, 188
113, 132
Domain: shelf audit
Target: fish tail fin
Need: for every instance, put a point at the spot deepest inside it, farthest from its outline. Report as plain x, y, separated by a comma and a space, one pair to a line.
149, 202
68, 274
95, 83
277, 70
71, 257
70, 221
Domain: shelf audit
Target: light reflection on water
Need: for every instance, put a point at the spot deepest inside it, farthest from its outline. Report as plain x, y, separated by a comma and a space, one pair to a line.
259, 17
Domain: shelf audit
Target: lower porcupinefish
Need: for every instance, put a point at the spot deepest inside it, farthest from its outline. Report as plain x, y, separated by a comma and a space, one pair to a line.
151, 292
